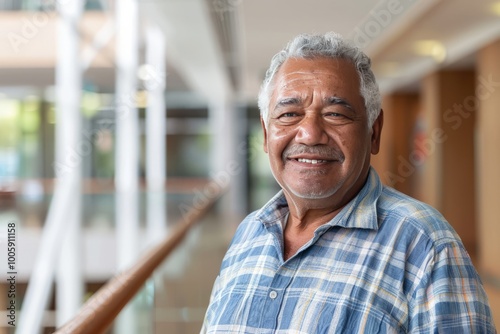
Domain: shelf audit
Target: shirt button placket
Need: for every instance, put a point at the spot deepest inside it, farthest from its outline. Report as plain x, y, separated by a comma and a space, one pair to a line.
272, 308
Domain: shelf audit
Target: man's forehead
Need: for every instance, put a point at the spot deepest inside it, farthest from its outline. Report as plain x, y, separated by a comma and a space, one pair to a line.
314, 64
315, 68
300, 78
301, 74
311, 71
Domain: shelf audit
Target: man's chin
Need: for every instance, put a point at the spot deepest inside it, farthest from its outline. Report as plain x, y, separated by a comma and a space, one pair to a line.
312, 193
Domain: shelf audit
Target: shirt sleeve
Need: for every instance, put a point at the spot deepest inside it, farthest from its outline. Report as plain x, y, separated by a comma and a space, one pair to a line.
209, 314
449, 297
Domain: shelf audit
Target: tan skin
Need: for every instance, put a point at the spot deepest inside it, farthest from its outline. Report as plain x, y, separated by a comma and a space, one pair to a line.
318, 141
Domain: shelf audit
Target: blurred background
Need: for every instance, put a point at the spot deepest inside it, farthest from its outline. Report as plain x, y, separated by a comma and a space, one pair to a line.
119, 118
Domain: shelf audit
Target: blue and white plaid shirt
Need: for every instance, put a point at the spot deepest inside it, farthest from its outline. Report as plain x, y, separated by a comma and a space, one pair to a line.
385, 264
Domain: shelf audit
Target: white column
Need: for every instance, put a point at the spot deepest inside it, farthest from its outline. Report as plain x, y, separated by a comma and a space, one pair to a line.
69, 277
127, 147
219, 114
154, 78
40, 283
241, 151
127, 133
227, 165
63, 218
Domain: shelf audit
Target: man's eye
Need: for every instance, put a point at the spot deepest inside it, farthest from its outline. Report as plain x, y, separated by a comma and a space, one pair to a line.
288, 117
334, 114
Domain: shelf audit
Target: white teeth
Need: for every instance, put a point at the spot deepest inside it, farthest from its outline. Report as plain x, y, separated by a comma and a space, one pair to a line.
310, 161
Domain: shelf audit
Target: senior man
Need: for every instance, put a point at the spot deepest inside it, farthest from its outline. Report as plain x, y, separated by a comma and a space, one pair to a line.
335, 251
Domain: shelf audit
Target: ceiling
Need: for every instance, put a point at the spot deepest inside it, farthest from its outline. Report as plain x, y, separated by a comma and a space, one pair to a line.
406, 39
218, 49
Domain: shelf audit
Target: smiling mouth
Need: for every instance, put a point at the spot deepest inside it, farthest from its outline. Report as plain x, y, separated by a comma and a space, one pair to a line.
312, 155
311, 161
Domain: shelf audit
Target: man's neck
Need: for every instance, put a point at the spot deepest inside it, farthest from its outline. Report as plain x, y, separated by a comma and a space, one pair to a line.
301, 225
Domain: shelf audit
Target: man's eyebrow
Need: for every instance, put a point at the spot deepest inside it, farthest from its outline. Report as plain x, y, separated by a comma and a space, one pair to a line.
334, 100
287, 101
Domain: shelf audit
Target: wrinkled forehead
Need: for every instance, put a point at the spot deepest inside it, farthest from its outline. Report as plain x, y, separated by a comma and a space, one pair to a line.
327, 73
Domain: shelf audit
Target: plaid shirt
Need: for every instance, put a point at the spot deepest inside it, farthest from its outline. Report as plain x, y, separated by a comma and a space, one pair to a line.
385, 264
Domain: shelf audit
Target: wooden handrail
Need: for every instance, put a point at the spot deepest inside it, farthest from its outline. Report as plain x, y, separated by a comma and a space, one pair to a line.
97, 314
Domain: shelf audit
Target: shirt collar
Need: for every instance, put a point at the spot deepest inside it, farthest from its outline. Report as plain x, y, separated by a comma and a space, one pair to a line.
360, 212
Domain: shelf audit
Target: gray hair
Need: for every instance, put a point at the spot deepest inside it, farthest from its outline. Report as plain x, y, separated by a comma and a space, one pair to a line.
330, 45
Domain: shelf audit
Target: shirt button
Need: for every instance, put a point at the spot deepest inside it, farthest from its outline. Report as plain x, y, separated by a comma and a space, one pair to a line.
273, 294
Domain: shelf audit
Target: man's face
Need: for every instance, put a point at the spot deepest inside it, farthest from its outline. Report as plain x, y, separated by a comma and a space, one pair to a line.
317, 138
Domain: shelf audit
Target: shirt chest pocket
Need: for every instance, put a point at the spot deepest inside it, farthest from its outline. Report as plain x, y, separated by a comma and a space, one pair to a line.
320, 312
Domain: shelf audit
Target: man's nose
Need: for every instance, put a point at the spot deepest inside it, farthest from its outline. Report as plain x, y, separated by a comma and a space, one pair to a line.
311, 131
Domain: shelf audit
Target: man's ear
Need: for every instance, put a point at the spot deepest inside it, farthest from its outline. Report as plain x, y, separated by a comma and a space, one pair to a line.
264, 130
377, 132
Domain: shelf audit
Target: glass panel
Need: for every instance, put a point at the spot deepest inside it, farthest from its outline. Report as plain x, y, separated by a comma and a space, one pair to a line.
184, 282
137, 316
175, 298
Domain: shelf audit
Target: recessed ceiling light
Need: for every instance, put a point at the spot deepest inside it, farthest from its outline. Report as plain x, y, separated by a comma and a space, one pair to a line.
431, 48
495, 8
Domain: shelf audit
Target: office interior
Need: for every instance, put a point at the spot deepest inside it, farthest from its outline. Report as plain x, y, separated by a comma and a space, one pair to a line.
117, 117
